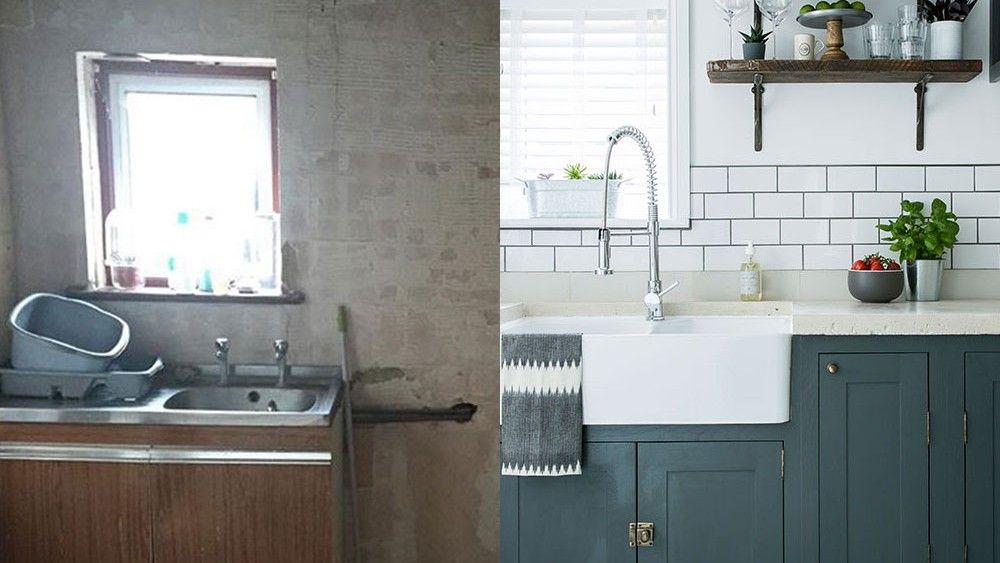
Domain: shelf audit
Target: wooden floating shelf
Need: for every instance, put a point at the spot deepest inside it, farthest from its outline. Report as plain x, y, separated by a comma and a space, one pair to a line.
759, 72
850, 71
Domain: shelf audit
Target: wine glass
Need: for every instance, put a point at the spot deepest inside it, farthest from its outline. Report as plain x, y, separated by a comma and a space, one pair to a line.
731, 9
775, 12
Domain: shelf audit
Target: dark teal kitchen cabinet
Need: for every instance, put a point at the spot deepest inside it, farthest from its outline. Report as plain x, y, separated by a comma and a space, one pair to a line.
717, 502
982, 461
582, 519
873, 457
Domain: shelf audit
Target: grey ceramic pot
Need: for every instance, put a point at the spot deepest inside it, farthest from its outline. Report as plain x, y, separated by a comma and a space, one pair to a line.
879, 286
754, 50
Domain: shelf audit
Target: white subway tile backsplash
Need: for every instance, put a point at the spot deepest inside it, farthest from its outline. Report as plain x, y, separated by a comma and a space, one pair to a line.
976, 204
760, 231
950, 178
805, 231
780, 257
799, 217
705, 180
853, 231
802, 179
682, 258
511, 237
976, 256
724, 258
726, 206
530, 259
987, 178
778, 205
576, 259
989, 230
828, 205
877, 204
827, 257
697, 206
706, 232
753, 179
899, 179
851, 178
555, 238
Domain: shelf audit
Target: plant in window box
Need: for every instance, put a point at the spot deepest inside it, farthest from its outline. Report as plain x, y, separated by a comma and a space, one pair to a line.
578, 194
755, 42
922, 242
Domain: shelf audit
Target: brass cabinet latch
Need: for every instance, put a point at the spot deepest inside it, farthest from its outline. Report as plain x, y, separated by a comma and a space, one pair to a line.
640, 534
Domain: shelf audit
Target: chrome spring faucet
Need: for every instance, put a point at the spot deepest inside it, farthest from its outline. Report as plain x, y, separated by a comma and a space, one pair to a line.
654, 290
281, 358
222, 355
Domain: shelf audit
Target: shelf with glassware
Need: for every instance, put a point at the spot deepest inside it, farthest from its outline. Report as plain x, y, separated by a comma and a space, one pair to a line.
905, 39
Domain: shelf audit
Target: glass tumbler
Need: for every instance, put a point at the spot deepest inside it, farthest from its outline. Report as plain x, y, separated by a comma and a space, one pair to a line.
879, 40
911, 32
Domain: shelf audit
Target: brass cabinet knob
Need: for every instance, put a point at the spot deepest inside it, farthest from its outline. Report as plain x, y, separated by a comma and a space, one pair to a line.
832, 368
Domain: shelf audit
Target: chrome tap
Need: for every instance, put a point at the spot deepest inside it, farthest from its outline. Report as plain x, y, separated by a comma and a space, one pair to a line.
654, 290
281, 358
222, 355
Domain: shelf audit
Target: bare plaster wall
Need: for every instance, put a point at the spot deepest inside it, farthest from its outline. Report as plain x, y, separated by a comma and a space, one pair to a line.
7, 277
389, 155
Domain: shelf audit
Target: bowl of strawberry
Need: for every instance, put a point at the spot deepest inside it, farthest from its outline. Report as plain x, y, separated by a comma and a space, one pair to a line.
875, 279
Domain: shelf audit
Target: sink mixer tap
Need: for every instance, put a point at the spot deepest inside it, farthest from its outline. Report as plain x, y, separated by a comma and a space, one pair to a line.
281, 358
222, 355
654, 289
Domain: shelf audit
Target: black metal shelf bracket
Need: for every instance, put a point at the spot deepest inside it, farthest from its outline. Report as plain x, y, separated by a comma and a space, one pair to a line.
921, 90
758, 110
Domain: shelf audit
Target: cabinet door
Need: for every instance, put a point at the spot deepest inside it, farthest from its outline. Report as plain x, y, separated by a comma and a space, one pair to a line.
873, 458
579, 519
82, 511
982, 456
245, 513
711, 502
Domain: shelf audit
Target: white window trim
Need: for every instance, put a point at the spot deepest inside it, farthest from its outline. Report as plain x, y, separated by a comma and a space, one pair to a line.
121, 84
678, 199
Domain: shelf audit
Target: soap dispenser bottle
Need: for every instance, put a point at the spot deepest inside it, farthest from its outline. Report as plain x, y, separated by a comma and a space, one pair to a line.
751, 288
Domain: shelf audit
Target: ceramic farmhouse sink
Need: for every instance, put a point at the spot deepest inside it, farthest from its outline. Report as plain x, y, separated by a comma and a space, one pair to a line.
683, 370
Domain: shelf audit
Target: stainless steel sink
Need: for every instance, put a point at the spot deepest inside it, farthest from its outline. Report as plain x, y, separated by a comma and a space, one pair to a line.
242, 399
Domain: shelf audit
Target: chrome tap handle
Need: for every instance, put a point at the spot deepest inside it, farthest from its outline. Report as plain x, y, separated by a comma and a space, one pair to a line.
280, 350
221, 348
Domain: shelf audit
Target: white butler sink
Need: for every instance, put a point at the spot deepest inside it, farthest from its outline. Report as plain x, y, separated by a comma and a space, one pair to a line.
683, 370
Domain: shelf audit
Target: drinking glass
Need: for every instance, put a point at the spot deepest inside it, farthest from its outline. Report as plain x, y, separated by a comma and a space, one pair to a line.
731, 9
775, 12
911, 32
879, 40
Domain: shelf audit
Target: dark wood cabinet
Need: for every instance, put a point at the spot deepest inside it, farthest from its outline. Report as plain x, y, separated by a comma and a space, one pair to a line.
873, 457
79, 511
215, 513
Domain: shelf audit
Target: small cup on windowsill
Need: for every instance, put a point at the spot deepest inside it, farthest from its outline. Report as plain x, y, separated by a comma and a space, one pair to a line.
126, 276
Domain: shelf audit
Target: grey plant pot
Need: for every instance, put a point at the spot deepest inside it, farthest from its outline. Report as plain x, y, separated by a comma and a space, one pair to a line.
923, 279
754, 50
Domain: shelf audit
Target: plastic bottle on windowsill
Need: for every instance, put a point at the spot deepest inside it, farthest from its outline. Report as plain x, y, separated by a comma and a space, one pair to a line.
180, 276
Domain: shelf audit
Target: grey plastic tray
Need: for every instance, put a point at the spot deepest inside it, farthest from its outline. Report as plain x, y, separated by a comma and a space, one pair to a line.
130, 377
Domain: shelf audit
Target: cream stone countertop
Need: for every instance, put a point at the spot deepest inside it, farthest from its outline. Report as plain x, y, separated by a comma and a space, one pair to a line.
834, 318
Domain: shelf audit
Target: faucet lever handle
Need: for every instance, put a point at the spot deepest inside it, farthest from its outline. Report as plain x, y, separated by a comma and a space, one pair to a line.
669, 288
221, 346
280, 348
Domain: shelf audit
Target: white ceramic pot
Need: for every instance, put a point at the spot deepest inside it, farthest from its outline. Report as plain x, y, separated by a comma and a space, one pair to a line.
946, 40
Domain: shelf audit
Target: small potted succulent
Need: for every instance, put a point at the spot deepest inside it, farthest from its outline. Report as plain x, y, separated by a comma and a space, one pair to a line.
921, 242
755, 42
946, 17
578, 194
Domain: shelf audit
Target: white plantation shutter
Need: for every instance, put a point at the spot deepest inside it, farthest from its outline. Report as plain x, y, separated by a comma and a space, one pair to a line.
571, 76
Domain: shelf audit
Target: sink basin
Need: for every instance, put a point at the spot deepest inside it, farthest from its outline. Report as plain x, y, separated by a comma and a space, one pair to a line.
683, 370
242, 399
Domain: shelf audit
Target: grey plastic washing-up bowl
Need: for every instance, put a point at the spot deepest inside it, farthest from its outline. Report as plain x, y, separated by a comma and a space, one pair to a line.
52, 332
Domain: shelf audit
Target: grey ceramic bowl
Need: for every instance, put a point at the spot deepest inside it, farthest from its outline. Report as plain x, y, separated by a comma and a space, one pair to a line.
878, 286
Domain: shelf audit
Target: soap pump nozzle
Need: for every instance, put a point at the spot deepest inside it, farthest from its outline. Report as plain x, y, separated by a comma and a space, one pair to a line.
750, 249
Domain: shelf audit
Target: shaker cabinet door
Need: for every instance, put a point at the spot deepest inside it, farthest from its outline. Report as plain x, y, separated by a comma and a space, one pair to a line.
873, 457
982, 456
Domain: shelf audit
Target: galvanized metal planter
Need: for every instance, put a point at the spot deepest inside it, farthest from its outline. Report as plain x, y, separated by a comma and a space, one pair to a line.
923, 279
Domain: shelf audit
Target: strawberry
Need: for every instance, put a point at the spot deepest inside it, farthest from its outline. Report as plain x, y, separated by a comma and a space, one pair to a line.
893, 265
876, 264
859, 265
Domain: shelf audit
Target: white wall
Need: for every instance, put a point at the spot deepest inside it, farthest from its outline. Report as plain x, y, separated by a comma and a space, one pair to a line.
839, 123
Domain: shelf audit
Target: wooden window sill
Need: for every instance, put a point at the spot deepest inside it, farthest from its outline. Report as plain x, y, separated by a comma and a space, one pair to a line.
164, 295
